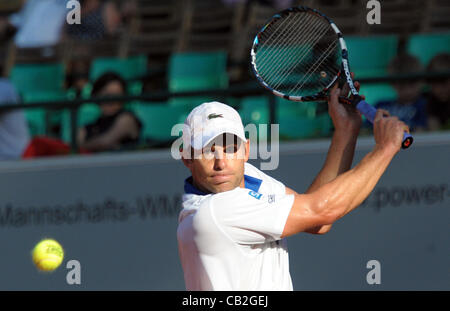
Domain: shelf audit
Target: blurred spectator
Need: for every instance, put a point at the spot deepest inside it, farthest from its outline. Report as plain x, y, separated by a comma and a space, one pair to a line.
128, 10
99, 19
77, 75
410, 105
34, 27
7, 31
14, 135
116, 128
439, 96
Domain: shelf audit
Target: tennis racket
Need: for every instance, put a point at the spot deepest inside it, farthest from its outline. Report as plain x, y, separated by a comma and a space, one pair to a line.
300, 53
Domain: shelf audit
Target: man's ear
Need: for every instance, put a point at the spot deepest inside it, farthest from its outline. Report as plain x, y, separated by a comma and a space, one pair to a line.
186, 161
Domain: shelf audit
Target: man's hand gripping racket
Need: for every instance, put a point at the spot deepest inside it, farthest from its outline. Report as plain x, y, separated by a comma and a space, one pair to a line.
300, 54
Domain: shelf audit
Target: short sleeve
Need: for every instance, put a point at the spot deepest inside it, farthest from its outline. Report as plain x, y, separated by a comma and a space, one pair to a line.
249, 217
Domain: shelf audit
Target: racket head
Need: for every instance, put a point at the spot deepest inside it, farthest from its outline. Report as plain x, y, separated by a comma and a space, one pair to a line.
299, 54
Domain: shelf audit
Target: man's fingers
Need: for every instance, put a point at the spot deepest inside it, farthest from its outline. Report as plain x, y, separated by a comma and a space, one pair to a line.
385, 113
335, 86
406, 127
335, 91
357, 85
381, 113
345, 90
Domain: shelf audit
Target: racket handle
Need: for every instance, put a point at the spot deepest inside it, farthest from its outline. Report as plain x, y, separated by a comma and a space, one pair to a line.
369, 112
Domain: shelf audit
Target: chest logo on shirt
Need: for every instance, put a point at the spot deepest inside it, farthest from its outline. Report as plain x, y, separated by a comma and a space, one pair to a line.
271, 198
256, 195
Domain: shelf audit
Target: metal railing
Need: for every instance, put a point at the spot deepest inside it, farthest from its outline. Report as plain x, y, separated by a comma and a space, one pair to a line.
242, 90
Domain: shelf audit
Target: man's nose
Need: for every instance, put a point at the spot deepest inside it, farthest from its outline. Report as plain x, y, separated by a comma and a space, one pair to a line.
219, 159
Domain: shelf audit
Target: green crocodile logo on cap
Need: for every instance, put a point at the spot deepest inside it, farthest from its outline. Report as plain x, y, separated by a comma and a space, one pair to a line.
214, 115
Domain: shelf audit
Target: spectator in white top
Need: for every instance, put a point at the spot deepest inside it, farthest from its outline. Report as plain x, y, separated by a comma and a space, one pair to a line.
14, 136
232, 228
39, 23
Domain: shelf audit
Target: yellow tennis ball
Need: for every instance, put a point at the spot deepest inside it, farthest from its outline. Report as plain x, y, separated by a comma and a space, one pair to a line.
48, 255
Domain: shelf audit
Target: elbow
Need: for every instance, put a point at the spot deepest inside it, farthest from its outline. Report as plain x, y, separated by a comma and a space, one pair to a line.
327, 214
324, 230
332, 209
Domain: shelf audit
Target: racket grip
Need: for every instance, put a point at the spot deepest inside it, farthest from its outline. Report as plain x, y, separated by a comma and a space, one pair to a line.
369, 112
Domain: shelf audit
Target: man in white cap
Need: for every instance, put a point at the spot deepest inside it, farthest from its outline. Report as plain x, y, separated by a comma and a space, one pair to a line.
235, 218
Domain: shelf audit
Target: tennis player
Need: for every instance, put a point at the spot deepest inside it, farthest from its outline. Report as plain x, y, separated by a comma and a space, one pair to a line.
235, 218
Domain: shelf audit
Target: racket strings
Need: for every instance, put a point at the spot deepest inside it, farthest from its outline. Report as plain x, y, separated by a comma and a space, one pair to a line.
266, 57
299, 63
292, 53
283, 67
275, 62
315, 67
274, 50
299, 54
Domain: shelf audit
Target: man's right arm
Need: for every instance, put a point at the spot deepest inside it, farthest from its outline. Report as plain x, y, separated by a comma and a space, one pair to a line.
337, 198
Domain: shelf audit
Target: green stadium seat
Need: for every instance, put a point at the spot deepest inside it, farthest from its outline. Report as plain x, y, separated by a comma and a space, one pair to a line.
290, 108
44, 96
377, 92
194, 72
128, 68
294, 127
426, 46
158, 119
36, 78
370, 56
37, 118
301, 120
36, 121
87, 113
255, 110
40, 83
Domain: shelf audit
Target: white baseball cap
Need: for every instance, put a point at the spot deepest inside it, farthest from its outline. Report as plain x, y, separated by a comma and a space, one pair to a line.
209, 120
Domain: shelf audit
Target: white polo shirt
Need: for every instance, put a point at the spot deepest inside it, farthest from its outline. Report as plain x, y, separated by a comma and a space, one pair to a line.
231, 240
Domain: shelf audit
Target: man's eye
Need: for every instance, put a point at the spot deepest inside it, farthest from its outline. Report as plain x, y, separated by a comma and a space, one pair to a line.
208, 151
231, 149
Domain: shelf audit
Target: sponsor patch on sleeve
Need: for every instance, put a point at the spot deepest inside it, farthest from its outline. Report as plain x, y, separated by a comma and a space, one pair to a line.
256, 195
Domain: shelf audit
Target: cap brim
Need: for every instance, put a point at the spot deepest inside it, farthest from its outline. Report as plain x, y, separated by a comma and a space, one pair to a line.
220, 132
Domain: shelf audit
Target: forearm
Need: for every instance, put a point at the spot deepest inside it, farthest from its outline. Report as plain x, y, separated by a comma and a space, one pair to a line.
346, 192
339, 159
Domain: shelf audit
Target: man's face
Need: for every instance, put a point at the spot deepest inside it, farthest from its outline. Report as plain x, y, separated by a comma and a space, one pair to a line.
113, 88
219, 167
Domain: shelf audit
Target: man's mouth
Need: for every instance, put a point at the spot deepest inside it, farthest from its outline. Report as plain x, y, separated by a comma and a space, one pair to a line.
221, 178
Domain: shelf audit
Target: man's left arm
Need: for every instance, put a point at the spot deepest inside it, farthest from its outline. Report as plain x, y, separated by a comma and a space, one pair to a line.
347, 122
